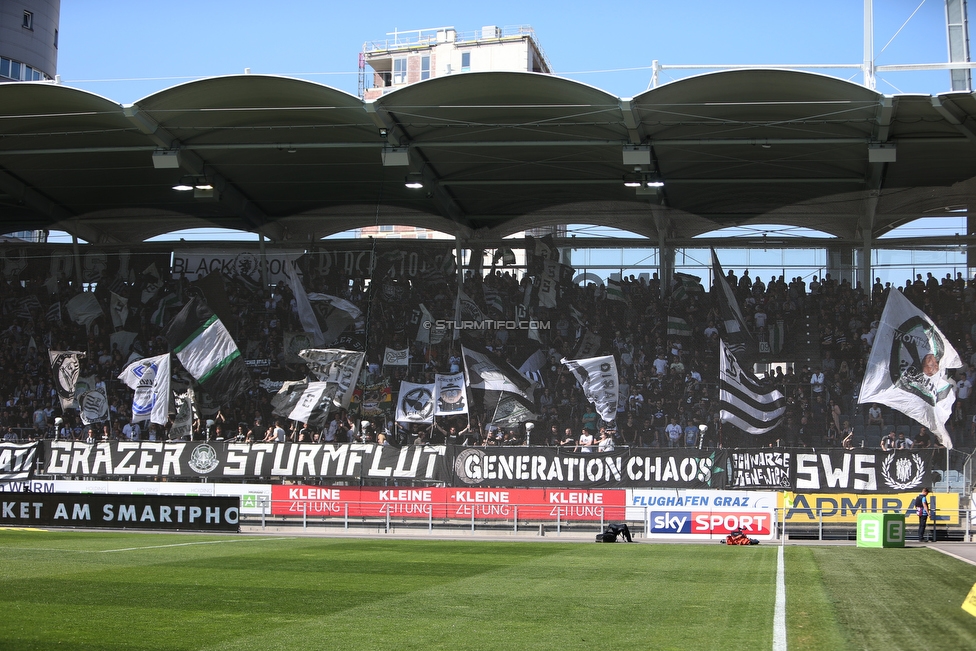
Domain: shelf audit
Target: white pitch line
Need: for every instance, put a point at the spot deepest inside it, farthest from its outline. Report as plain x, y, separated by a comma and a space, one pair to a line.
204, 542
779, 612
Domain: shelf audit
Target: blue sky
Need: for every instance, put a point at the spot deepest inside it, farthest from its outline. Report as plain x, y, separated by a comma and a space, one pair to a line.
126, 50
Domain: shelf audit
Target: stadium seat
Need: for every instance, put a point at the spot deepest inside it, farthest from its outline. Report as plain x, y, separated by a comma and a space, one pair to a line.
872, 436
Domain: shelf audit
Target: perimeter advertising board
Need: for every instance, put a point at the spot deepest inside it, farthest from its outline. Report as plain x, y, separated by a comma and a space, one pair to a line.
250, 495
703, 514
449, 503
167, 512
813, 508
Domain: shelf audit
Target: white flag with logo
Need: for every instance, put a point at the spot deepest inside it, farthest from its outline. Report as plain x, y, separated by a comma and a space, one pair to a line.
907, 369
599, 380
415, 404
149, 378
744, 402
93, 405
393, 357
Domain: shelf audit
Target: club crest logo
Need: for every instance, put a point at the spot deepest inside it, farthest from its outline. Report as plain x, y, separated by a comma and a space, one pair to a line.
903, 472
417, 404
468, 459
916, 357
203, 459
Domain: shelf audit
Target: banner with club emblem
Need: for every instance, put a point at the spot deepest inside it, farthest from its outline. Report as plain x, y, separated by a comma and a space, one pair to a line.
415, 403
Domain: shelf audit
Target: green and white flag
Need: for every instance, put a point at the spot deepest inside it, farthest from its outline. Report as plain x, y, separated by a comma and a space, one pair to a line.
678, 327
205, 348
615, 291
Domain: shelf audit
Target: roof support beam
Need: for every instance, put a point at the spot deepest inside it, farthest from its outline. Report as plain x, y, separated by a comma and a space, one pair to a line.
230, 196
964, 124
632, 121
55, 212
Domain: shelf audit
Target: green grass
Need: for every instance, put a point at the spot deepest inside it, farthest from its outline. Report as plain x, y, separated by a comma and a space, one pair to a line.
67, 590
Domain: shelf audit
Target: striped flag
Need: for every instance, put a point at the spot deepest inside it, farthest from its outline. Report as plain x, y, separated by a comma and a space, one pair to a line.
683, 285
493, 300
205, 348
678, 327
615, 291
743, 402
54, 313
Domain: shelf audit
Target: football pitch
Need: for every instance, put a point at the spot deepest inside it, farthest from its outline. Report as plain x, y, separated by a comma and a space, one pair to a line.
86, 591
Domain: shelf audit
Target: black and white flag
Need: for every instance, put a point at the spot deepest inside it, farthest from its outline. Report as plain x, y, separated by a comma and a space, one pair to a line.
340, 367
415, 403
485, 370
598, 378
907, 369
66, 367
743, 401
737, 335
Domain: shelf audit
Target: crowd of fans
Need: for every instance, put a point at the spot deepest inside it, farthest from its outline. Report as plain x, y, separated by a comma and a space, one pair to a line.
667, 391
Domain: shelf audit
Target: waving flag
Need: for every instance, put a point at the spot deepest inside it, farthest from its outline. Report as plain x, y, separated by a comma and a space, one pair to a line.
908, 364
488, 371
737, 337
600, 383
149, 378
205, 348
743, 401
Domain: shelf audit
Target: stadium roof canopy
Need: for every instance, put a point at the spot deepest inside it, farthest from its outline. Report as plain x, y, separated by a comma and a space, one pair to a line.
497, 153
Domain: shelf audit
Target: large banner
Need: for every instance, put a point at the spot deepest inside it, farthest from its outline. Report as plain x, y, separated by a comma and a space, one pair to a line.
120, 511
16, 461
836, 508
449, 503
703, 514
194, 264
840, 471
861, 471
554, 467
238, 460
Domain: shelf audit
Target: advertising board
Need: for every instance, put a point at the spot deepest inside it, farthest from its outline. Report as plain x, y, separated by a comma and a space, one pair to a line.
703, 514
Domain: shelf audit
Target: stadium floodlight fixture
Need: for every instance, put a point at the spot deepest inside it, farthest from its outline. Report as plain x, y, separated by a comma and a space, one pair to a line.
414, 181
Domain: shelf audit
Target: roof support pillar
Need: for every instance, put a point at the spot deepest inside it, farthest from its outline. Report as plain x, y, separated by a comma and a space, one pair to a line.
76, 254
867, 233
665, 252
264, 264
